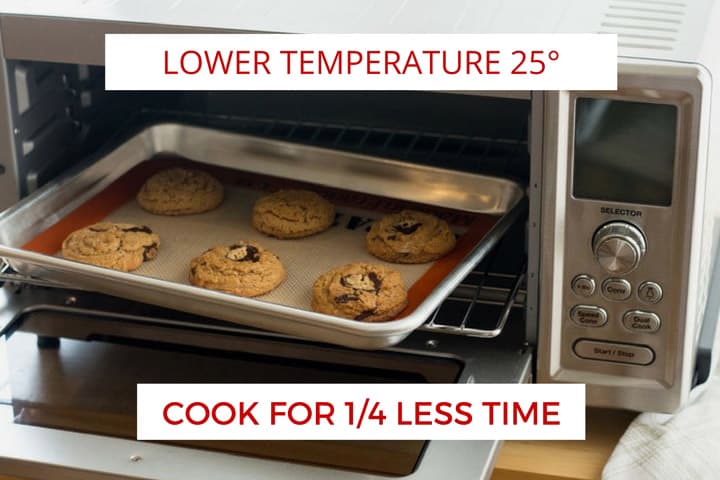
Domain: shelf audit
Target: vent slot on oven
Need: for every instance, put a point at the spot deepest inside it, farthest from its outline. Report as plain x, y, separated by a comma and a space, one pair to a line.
645, 24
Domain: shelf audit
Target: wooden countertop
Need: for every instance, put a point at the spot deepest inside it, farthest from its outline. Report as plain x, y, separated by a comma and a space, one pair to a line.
565, 460
559, 460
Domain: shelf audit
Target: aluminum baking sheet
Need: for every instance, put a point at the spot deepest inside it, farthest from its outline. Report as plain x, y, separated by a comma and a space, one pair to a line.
362, 188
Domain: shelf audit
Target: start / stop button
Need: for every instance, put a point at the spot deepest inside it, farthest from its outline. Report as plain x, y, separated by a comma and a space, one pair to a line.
614, 352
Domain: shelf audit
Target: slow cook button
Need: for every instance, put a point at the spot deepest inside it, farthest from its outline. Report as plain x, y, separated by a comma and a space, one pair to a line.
616, 289
614, 352
641, 322
588, 316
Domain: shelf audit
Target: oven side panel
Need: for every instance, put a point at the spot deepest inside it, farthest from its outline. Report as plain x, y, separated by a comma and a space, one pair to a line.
9, 193
709, 281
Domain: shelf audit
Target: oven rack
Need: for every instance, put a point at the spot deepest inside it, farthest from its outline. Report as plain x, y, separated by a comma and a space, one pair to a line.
9, 276
484, 295
485, 300
479, 307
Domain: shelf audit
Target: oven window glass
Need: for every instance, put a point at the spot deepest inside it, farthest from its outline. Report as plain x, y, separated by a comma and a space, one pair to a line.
624, 151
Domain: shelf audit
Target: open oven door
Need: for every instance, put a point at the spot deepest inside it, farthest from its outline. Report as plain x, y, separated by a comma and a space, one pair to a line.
68, 409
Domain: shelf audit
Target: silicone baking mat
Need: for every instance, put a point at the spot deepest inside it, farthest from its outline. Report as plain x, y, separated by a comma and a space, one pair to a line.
184, 237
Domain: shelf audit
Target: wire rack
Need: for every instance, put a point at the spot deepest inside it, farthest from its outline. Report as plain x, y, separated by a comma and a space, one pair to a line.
485, 311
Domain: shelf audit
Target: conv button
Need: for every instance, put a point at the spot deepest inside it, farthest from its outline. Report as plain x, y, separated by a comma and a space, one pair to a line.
616, 289
639, 321
614, 352
588, 316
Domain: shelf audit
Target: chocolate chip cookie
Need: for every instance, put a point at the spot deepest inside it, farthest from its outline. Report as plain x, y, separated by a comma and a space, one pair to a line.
120, 246
292, 214
180, 191
360, 291
244, 268
410, 237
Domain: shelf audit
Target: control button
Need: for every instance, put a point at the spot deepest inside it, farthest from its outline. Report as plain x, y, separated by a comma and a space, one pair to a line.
588, 316
619, 247
583, 285
641, 322
614, 352
650, 292
616, 289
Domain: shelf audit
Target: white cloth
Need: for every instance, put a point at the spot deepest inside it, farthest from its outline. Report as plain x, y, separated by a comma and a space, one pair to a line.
685, 445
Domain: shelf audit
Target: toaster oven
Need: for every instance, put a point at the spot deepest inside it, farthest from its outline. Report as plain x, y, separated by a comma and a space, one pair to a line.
602, 271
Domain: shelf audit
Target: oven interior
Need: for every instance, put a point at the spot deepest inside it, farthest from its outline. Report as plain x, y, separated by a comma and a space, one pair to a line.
73, 357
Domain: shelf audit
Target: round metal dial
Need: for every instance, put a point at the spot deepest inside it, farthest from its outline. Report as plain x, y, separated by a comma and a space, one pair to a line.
619, 247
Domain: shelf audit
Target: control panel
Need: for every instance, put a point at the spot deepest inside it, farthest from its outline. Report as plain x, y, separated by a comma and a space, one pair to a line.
625, 234
622, 251
612, 303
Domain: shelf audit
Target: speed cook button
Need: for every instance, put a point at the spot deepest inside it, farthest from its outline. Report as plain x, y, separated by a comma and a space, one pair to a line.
588, 316
614, 352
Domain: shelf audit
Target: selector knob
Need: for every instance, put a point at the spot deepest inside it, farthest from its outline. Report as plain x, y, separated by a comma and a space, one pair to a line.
619, 247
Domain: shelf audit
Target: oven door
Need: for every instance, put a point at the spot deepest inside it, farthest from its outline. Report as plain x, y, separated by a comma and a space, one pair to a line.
68, 409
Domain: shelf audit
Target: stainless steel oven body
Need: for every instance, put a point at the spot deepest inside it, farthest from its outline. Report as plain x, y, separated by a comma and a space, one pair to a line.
617, 284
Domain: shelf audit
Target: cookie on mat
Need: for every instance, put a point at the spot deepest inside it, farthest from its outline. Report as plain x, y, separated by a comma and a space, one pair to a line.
361, 291
410, 237
292, 214
244, 268
120, 246
180, 191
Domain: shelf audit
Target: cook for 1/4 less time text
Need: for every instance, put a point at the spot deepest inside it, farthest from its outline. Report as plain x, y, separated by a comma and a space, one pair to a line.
356, 413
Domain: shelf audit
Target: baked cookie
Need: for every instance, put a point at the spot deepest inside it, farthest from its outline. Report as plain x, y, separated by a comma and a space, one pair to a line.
244, 269
180, 191
410, 237
361, 291
292, 214
120, 246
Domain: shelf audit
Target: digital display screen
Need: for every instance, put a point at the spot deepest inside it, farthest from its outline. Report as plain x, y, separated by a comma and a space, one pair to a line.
624, 151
